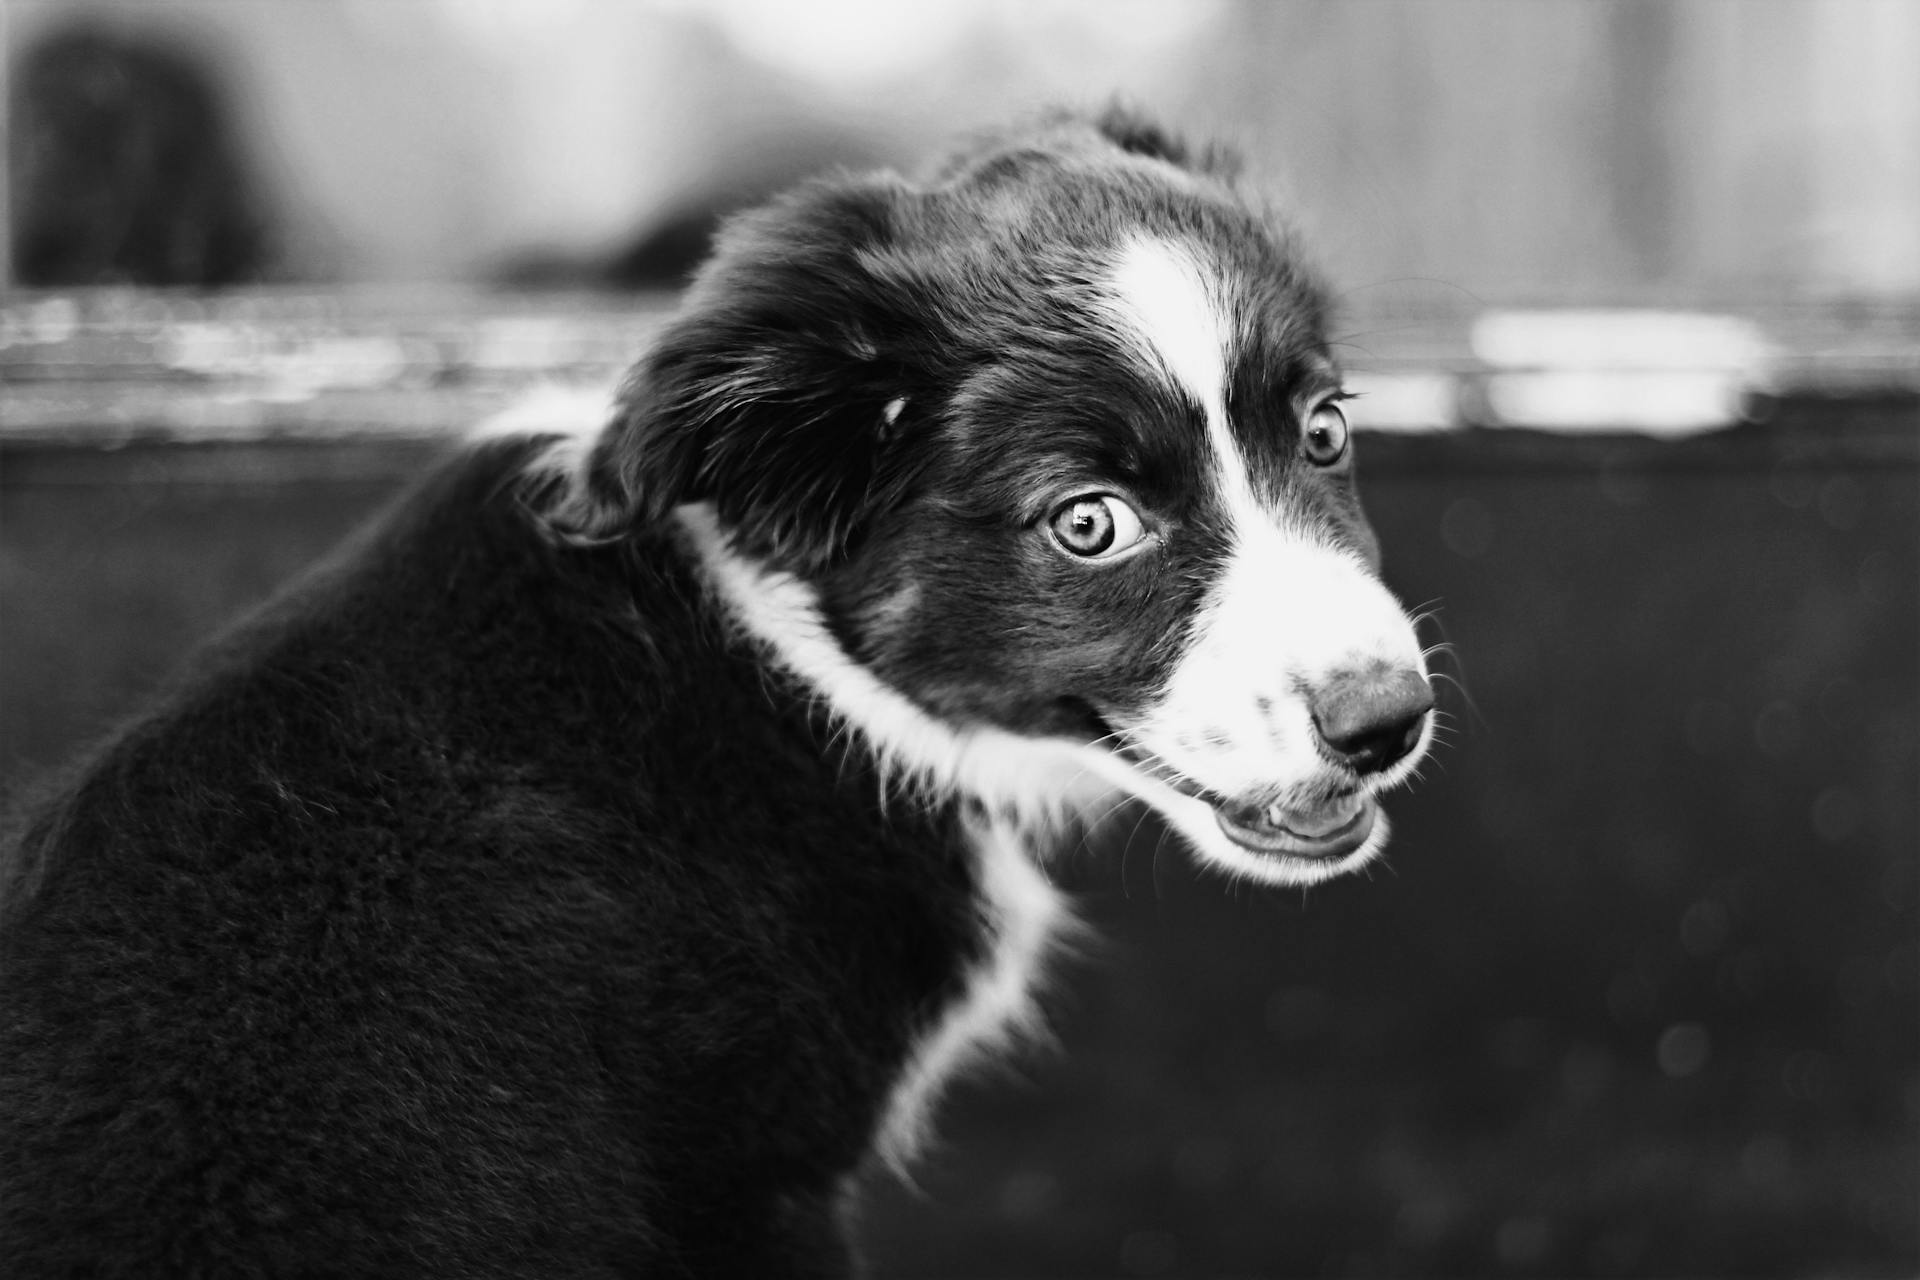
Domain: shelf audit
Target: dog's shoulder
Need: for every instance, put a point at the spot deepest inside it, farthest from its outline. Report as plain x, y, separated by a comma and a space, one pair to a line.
433, 640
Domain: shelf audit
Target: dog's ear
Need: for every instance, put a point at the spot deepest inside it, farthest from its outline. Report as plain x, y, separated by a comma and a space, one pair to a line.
1061, 132
1136, 133
777, 394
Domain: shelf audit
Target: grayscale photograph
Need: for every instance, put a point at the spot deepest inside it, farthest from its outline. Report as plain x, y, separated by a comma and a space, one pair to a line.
959, 639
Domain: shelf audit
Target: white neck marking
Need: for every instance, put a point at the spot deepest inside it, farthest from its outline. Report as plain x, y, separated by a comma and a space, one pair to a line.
1037, 780
1027, 786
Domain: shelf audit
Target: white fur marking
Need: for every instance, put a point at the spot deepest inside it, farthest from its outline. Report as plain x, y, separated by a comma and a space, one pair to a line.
1160, 293
1028, 786
1285, 615
1022, 911
1169, 311
1037, 781
1288, 611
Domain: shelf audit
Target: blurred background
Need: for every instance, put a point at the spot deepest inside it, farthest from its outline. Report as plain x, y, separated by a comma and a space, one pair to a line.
1632, 290
1560, 149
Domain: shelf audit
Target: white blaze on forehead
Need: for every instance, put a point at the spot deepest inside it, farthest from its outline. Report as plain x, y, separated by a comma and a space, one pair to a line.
1173, 311
1169, 310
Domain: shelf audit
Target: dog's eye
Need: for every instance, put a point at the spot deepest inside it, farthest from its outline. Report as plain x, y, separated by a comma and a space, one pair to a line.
1325, 438
1096, 526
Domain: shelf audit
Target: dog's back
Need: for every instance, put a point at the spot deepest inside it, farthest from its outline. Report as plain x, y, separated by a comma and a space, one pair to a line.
447, 928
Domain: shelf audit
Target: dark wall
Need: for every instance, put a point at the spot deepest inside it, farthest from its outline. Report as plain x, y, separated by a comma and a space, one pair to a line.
1634, 993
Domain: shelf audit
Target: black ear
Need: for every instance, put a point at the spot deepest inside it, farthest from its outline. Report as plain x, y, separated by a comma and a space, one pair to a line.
1136, 133
777, 393
1058, 133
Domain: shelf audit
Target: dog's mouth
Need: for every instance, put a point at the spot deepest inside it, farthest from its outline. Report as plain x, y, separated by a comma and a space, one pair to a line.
1322, 828
1325, 828
1331, 829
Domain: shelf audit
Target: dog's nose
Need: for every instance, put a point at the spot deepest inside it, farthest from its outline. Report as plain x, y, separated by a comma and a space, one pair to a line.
1371, 720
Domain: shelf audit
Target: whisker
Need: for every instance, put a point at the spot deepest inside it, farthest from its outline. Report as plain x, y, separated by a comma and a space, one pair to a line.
1126, 850
1429, 614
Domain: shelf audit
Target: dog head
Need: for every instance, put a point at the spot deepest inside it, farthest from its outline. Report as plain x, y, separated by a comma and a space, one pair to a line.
1045, 462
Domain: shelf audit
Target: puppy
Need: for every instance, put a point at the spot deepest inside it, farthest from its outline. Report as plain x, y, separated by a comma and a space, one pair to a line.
608, 856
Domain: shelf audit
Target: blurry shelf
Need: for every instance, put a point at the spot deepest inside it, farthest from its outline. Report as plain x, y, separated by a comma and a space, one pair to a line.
116, 366
108, 367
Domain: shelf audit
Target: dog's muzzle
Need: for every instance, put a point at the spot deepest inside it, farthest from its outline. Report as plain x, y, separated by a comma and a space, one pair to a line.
1365, 722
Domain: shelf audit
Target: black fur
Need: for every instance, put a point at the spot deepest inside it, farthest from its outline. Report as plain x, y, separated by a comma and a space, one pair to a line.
490, 907
449, 926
